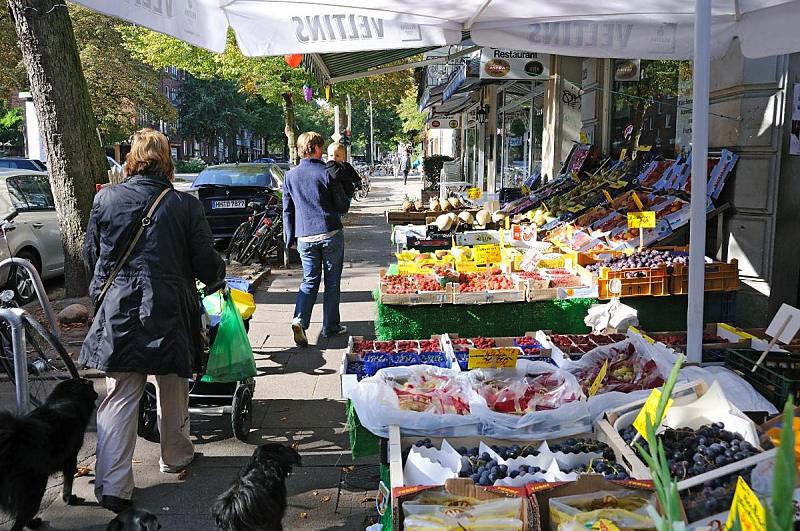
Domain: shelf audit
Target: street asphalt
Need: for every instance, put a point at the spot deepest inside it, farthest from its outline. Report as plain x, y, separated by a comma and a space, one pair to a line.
297, 401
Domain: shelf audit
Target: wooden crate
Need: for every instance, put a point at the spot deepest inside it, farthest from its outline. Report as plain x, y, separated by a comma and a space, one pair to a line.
445, 296
398, 217
487, 297
654, 282
719, 276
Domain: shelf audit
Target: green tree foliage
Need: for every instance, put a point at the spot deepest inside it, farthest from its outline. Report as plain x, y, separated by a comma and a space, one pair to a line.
407, 110
11, 124
211, 108
119, 85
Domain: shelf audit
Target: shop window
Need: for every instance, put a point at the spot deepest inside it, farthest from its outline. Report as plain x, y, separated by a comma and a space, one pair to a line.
643, 111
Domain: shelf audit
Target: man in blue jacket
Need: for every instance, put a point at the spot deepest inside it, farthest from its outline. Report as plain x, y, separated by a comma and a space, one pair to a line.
313, 204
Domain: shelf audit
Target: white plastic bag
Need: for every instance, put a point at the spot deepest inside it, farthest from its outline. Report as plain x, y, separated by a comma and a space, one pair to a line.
421, 399
611, 318
547, 386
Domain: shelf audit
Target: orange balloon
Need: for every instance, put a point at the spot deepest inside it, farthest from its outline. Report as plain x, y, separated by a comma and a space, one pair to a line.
293, 59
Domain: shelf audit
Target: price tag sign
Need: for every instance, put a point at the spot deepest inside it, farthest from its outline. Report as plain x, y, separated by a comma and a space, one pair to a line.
474, 193
649, 411
604, 525
608, 197
638, 201
748, 507
487, 254
598, 381
618, 184
644, 148
408, 268
582, 138
642, 220
623, 153
576, 209
493, 358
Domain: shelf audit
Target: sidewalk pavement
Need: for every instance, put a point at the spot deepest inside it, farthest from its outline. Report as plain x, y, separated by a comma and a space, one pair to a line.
297, 401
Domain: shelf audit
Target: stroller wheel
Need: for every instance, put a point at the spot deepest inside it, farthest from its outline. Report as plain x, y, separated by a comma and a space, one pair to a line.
148, 415
242, 413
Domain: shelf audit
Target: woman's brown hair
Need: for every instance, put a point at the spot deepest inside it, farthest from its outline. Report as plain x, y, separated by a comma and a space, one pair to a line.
150, 153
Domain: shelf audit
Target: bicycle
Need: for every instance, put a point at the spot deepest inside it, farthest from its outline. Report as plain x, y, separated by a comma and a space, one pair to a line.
362, 191
28, 347
240, 247
266, 236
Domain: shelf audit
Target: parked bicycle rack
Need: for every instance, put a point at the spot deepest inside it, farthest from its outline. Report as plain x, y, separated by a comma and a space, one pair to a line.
13, 316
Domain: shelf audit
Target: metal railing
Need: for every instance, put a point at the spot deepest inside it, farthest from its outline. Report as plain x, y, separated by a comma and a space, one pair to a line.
14, 318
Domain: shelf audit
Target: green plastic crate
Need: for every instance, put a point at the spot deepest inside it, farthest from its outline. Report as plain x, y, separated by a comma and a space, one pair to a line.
776, 378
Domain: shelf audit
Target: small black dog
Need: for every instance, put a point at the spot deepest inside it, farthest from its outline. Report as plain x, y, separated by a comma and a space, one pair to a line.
134, 520
43, 442
257, 499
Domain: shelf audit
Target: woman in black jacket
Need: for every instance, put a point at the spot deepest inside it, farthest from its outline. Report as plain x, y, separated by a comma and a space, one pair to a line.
148, 321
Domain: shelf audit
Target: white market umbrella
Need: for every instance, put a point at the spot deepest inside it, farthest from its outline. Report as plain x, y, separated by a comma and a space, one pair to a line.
648, 29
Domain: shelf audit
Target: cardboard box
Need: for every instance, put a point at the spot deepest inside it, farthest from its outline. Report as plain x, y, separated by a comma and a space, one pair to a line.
399, 445
694, 404
585, 484
348, 382
529, 513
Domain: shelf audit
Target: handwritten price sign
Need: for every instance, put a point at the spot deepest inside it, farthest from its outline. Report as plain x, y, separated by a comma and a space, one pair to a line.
487, 254
746, 505
493, 358
642, 220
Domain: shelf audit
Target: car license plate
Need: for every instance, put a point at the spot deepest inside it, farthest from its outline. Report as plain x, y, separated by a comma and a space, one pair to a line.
229, 203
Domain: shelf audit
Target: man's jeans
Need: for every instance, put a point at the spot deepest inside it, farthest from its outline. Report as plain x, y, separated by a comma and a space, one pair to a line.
327, 254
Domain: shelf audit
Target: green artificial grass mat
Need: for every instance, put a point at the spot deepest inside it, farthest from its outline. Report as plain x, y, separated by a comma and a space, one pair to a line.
563, 316
363, 443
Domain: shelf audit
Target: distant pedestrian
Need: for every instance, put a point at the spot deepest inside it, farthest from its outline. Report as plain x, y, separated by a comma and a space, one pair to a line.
147, 320
313, 204
395, 165
406, 165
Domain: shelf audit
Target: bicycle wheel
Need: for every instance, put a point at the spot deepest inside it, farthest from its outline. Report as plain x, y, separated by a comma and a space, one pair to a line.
239, 239
250, 250
47, 360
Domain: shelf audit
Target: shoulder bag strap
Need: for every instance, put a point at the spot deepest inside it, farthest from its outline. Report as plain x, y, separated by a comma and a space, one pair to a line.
143, 224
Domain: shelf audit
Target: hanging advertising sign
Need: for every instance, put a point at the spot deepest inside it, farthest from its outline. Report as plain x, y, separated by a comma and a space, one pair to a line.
445, 122
512, 64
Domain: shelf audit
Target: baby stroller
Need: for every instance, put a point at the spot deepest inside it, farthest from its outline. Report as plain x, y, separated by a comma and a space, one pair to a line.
206, 398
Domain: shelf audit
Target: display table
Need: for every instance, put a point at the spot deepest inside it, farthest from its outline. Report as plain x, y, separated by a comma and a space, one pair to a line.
563, 316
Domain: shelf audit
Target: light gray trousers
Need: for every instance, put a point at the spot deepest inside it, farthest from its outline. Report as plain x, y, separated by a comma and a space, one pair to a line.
117, 419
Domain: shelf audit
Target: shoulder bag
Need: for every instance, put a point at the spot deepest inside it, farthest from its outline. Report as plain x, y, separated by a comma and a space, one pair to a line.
137, 234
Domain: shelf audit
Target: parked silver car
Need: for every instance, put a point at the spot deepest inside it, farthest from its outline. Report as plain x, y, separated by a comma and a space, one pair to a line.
35, 236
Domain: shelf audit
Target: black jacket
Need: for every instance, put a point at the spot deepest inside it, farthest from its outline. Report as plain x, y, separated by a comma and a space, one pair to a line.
345, 174
149, 321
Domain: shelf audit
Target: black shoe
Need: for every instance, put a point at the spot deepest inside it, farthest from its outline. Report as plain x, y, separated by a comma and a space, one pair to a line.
115, 505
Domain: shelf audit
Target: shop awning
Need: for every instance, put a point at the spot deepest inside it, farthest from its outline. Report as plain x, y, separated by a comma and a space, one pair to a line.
596, 28
327, 66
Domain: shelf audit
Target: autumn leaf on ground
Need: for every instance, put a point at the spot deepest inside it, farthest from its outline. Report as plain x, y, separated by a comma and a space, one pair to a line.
136, 462
348, 468
315, 493
82, 471
325, 499
368, 499
182, 474
295, 446
303, 515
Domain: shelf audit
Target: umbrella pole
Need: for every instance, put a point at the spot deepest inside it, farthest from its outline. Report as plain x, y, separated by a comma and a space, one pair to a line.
697, 229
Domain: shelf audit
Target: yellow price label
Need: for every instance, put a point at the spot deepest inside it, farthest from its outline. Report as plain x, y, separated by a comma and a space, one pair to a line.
469, 267
582, 138
408, 268
748, 507
474, 193
649, 411
576, 208
487, 254
598, 381
638, 201
604, 525
608, 197
642, 220
574, 177
644, 148
639, 332
492, 358
623, 153
619, 184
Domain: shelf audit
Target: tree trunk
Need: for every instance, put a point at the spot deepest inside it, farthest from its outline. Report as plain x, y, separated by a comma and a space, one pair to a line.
289, 127
75, 158
639, 113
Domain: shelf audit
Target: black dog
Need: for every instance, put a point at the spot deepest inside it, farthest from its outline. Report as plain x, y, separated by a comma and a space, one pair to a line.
257, 499
36, 446
134, 520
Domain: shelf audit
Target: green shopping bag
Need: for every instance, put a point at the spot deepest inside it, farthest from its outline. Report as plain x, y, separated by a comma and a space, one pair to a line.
231, 356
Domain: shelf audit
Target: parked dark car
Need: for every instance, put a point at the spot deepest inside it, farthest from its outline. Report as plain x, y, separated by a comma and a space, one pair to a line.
227, 189
20, 163
263, 160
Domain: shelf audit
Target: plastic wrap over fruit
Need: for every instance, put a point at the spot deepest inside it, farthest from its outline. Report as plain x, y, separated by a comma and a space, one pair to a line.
421, 399
534, 400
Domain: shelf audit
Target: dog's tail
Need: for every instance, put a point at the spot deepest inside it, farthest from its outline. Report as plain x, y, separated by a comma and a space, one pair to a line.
22, 451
